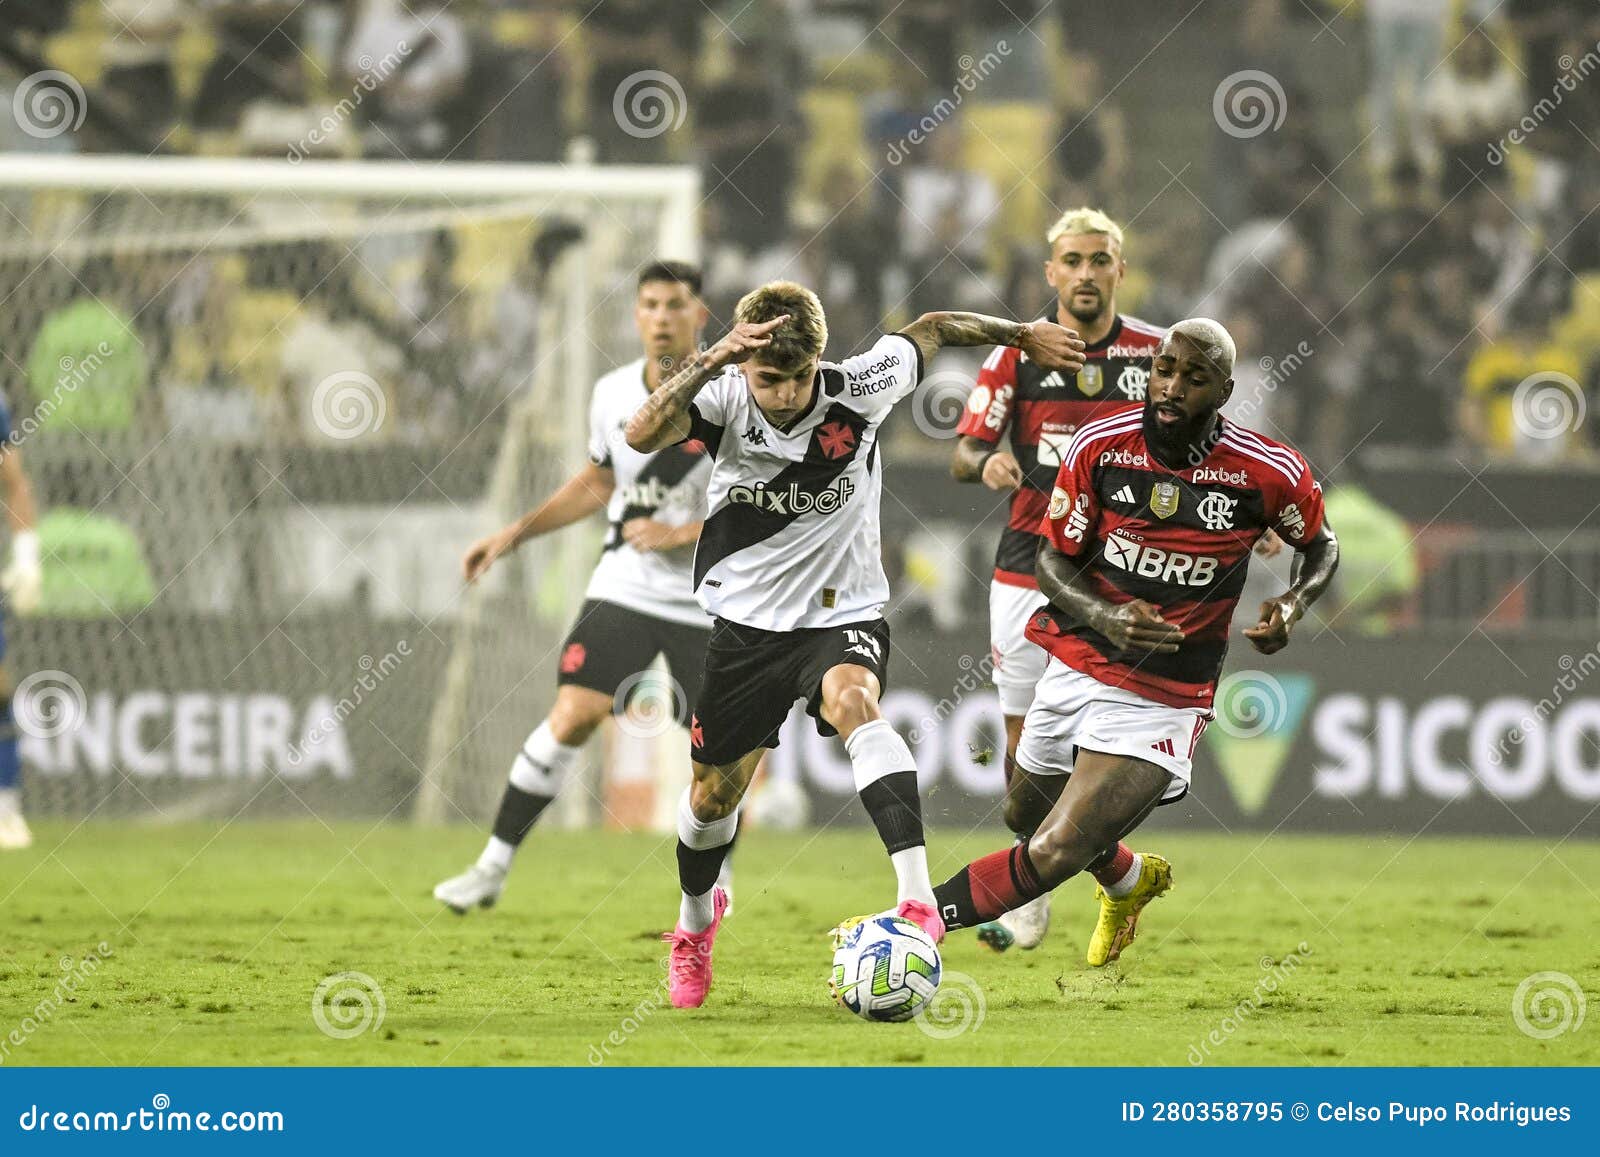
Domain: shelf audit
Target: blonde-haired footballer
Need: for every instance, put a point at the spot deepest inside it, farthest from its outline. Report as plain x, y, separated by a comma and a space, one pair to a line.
789, 564
1037, 410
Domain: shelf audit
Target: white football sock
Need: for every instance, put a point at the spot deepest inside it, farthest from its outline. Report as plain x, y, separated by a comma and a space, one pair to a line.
695, 913
1131, 877
497, 855
911, 876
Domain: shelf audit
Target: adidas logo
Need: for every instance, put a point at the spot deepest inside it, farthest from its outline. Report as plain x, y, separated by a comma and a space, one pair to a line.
1123, 495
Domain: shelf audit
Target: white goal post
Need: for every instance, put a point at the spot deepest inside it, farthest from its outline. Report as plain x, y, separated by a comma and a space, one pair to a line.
302, 388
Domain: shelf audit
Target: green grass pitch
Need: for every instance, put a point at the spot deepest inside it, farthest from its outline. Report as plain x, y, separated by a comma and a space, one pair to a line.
219, 938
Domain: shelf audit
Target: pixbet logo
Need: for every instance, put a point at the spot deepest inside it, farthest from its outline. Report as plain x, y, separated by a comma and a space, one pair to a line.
794, 500
1123, 458
1221, 477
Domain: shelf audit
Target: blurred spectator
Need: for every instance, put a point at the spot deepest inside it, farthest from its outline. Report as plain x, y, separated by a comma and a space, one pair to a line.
623, 40
1090, 149
414, 61
1403, 399
1502, 422
143, 36
1378, 567
87, 362
1404, 38
945, 219
1471, 100
746, 131
257, 58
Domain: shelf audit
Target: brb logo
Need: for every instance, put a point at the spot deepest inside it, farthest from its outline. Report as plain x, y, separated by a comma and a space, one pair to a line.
794, 500
1167, 566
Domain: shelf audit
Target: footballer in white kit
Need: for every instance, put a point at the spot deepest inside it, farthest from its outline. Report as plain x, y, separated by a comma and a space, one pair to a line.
640, 601
789, 563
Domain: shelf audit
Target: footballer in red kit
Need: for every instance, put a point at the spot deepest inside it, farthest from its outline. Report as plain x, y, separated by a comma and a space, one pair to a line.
1148, 533
1037, 411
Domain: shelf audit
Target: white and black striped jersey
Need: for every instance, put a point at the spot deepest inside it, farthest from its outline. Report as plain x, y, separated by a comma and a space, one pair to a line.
792, 540
668, 486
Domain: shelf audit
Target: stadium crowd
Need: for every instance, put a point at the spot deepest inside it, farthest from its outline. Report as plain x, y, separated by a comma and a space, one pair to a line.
1410, 237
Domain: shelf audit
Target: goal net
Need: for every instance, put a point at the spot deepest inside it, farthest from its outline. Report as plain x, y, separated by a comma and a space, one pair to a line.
265, 407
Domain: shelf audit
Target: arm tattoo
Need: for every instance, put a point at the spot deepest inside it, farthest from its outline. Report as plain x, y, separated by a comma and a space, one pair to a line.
663, 419
934, 331
971, 454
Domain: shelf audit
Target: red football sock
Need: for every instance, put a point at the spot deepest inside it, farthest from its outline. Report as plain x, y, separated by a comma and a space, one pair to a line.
1000, 882
1111, 871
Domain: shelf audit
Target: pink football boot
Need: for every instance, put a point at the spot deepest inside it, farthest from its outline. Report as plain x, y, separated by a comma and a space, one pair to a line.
689, 967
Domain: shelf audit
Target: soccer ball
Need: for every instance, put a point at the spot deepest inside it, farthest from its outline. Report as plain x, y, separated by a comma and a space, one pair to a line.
885, 968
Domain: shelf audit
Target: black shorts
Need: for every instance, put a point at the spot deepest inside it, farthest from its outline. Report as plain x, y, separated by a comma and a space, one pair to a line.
610, 645
752, 678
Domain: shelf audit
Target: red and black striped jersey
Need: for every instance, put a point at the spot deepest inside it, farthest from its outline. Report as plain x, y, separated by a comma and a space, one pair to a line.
1180, 539
1042, 409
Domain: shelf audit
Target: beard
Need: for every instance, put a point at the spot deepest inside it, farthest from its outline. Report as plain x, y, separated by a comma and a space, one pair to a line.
1086, 312
1182, 444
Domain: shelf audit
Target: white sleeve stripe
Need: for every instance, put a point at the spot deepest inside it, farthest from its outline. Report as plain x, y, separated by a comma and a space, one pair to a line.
992, 362
1250, 453
1085, 436
1278, 454
1091, 430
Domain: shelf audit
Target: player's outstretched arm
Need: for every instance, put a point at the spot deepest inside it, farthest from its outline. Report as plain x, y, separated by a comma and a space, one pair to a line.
1131, 626
1053, 346
23, 578
663, 419
578, 497
977, 461
1309, 576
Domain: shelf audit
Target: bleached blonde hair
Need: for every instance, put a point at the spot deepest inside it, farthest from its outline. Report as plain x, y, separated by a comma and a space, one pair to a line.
1212, 340
1085, 220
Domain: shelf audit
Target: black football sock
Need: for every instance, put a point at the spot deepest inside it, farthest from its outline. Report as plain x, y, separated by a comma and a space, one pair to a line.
519, 811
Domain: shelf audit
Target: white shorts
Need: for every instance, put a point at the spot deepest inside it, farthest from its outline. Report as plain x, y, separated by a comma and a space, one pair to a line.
1073, 710
1018, 663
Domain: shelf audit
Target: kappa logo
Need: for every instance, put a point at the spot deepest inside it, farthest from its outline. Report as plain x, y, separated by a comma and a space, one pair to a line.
861, 643
1216, 510
756, 436
1165, 566
794, 500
